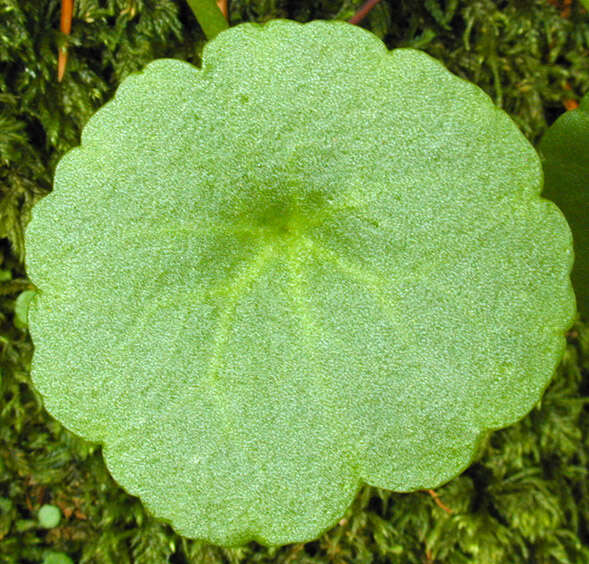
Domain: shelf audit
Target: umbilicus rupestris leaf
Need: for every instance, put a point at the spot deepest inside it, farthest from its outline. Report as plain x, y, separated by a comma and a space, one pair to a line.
565, 150
312, 264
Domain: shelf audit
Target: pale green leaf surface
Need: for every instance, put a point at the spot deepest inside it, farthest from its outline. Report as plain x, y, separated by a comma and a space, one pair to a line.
565, 151
309, 265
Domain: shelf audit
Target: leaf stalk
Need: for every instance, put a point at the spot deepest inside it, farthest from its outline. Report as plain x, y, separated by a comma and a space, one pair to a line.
209, 16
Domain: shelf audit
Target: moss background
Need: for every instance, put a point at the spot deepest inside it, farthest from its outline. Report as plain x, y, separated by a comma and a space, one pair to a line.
526, 500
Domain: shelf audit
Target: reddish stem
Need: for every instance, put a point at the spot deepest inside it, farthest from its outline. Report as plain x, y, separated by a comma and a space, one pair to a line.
363, 11
439, 502
223, 7
67, 10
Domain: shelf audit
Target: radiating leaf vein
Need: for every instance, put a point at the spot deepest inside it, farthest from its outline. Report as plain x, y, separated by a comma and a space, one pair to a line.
369, 281
239, 288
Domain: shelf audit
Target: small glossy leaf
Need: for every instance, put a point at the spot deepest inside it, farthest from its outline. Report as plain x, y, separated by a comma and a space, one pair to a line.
21, 308
57, 558
49, 516
313, 263
565, 150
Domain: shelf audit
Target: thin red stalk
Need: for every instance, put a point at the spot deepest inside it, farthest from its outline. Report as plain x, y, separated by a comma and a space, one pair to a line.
439, 502
363, 11
67, 10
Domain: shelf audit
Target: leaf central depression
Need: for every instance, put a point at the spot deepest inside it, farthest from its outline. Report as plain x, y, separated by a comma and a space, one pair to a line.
281, 215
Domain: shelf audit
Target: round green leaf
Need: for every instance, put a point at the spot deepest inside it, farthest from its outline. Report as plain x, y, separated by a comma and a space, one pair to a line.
309, 265
21, 308
57, 558
49, 516
565, 151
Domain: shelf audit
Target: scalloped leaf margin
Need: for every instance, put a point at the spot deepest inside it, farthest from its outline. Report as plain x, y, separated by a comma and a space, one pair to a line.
309, 265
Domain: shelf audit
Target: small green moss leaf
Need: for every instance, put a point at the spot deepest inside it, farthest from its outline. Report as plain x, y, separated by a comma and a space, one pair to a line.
313, 263
565, 151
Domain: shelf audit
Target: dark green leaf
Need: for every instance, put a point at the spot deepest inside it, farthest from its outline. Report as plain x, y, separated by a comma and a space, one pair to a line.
565, 150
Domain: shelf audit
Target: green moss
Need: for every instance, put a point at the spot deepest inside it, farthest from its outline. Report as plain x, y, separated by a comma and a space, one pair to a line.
525, 500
